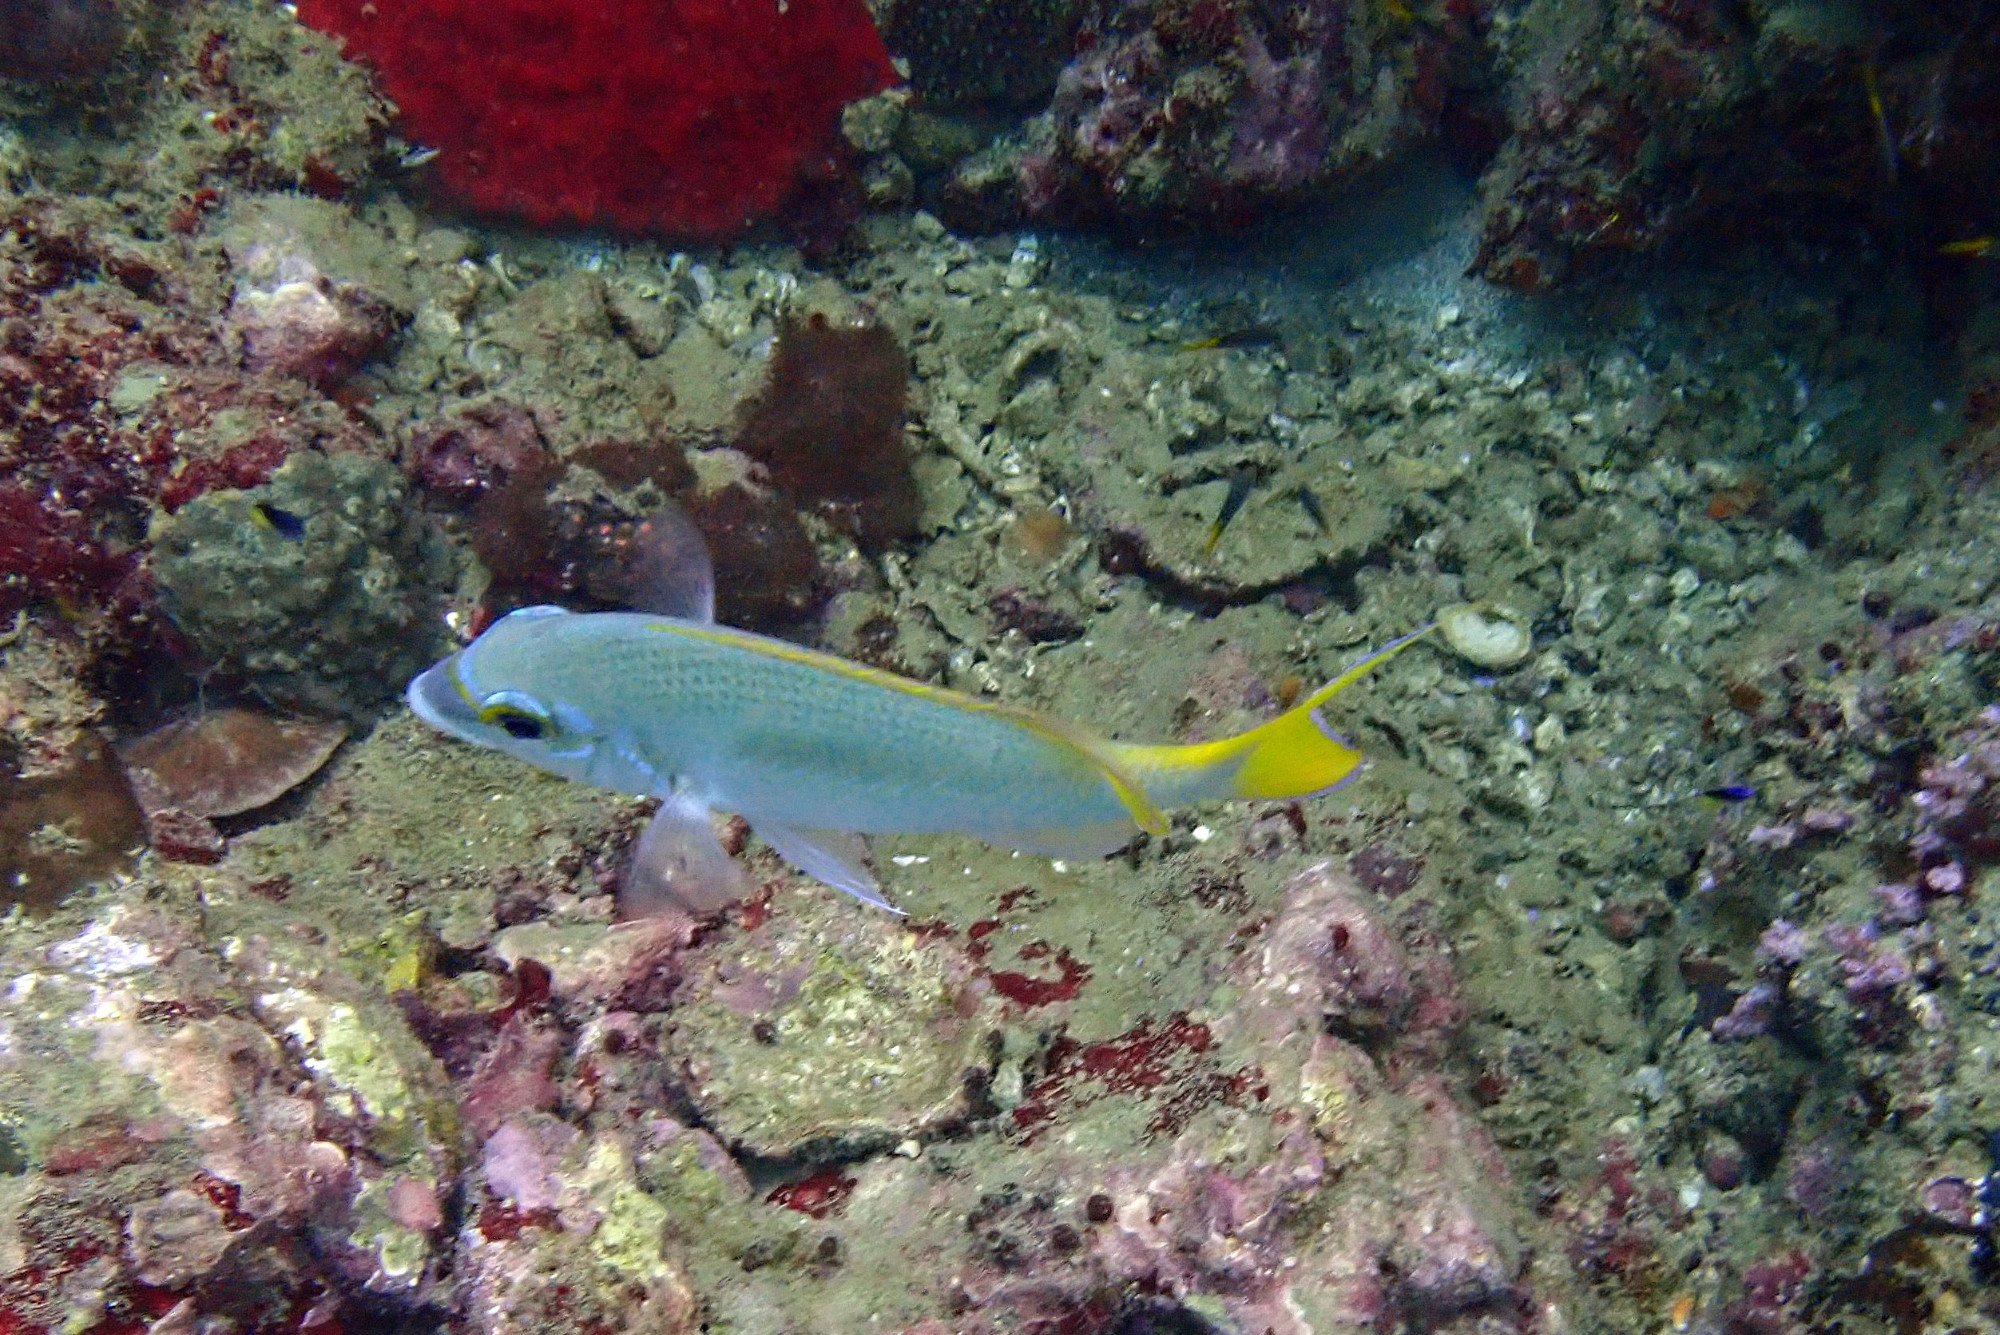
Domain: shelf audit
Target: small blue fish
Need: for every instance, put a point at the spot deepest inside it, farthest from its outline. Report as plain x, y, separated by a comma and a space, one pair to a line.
290, 527
1730, 792
814, 750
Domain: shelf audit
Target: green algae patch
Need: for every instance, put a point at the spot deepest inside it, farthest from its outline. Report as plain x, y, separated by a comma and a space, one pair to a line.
401, 1253
371, 1067
632, 1237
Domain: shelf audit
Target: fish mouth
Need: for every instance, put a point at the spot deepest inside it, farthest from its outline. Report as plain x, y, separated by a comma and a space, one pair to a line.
436, 697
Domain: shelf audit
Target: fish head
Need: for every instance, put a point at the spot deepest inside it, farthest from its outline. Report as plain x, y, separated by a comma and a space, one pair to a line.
495, 693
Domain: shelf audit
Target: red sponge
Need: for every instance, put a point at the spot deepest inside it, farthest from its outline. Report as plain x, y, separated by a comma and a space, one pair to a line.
670, 117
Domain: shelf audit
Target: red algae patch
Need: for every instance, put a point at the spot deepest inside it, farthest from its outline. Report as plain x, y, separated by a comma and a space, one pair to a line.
828, 423
820, 1195
226, 761
692, 118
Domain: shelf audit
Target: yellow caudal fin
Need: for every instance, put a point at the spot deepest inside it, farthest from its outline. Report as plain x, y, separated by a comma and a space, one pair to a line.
1294, 755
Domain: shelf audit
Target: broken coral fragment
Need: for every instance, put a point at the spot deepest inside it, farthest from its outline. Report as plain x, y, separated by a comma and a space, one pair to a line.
1485, 636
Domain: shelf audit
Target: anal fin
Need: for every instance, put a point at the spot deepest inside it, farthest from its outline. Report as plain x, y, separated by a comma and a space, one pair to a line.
680, 864
832, 856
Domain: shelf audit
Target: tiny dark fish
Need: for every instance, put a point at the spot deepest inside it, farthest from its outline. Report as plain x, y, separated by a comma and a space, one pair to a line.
1249, 336
1240, 483
1310, 504
284, 523
1731, 792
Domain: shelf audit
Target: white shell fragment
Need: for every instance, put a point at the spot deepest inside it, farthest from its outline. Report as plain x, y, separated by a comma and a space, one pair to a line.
1484, 635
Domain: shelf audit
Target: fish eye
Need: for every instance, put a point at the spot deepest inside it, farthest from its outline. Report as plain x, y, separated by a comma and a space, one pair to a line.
524, 726
522, 721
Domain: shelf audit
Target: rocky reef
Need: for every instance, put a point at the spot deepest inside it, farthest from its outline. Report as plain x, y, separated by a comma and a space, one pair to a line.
1644, 980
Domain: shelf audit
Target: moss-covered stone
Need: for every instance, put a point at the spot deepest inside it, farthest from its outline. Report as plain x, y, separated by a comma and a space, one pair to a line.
321, 588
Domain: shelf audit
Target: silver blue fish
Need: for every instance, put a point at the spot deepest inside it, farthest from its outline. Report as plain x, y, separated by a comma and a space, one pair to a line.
814, 750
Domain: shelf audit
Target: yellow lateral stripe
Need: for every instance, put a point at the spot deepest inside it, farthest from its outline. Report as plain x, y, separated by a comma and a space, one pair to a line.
1148, 816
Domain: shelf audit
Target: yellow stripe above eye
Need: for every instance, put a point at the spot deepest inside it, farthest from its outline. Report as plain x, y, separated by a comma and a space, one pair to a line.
1131, 795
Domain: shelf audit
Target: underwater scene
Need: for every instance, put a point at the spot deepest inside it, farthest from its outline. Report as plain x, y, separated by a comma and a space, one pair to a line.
999, 667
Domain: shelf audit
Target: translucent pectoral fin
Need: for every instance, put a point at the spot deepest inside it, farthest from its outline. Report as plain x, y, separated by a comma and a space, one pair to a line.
679, 863
832, 856
1080, 842
669, 570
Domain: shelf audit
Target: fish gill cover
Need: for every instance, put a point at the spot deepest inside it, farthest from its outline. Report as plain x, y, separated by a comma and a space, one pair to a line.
683, 118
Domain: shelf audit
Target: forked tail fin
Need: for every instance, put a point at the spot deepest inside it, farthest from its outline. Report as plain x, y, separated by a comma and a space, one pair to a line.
1294, 755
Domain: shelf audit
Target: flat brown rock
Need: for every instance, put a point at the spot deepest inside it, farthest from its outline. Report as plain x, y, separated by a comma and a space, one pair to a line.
226, 761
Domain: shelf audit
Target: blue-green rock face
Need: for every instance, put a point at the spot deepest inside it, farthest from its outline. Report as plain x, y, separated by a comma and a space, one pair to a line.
320, 589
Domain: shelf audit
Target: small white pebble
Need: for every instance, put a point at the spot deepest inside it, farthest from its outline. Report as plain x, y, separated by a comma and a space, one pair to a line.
1202, 834
909, 859
1059, 864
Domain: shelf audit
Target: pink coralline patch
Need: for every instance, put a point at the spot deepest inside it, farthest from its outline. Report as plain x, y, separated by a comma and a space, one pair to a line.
1817, 1174
482, 449
633, 963
1222, 691
521, 1160
516, 1076
1454, 1253
1951, 1201
414, 1204
1188, 1226
1783, 944
1614, 1220
234, 1201
1412, 1223
1385, 871
308, 328
1165, 1064
1771, 1290
1327, 944
290, 317
1280, 129
1752, 1014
